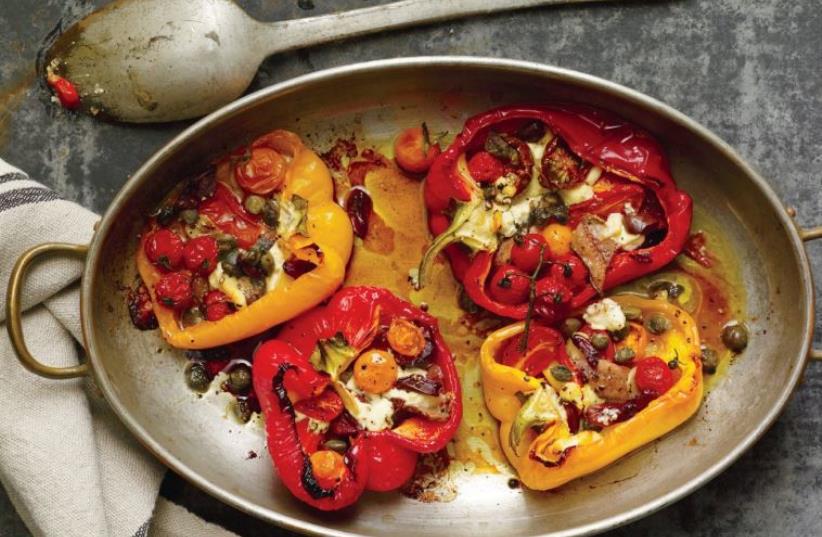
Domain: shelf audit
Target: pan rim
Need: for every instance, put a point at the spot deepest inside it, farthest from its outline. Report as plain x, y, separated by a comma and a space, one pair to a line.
297, 524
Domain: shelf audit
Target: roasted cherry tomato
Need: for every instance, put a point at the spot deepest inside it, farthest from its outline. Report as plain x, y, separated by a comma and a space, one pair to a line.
570, 270
174, 290
526, 252
200, 255
552, 301
263, 172
558, 237
485, 168
654, 375
65, 91
228, 214
216, 305
164, 248
375, 371
386, 454
324, 407
406, 338
414, 151
509, 285
544, 347
328, 467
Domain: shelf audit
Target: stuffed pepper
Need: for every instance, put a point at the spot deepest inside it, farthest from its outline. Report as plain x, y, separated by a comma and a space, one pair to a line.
352, 392
569, 404
542, 208
251, 243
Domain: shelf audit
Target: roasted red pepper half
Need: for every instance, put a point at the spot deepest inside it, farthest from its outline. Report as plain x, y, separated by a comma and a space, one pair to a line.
352, 392
598, 190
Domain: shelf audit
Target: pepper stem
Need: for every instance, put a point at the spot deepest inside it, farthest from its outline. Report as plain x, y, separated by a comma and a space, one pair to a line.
443, 240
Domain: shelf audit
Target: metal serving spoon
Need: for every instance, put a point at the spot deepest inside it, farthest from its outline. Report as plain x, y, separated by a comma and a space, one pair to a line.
164, 60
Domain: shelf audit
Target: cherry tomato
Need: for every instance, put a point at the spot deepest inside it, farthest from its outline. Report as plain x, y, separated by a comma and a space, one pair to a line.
309, 439
216, 305
509, 285
406, 338
375, 371
324, 407
226, 212
200, 255
552, 300
558, 237
413, 152
328, 467
485, 168
174, 290
65, 90
263, 172
654, 375
544, 347
525, 253
570, 270
399, 463
164, 248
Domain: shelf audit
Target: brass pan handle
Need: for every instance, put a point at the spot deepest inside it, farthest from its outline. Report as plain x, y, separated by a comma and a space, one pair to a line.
14, 311
809, 235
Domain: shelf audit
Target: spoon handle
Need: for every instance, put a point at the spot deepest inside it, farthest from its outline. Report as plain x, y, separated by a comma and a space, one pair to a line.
288, 35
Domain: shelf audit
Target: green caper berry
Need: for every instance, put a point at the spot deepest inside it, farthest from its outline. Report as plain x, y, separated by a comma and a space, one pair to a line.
632, 313
267, 263
254, 204
271, 213
622, 333
561, 373
189, 216
570, 325
710, 360
624, 355
335, 444
239, 378
658, 324
600, 341
197, 377
675, 291
242, 411
192, 316
735, 337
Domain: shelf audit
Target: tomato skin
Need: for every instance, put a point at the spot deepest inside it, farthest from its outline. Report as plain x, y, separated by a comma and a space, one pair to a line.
324, 407
200, 255
526, 254
553, 300
570, 270
654, 375
65, 90
509, 285
216, 305
164, 248
174, 290
262, 173
545, 346
228, 214
484, 167
398, 464
410, 152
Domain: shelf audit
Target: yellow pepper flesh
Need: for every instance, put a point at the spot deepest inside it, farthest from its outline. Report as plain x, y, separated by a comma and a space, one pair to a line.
595, 450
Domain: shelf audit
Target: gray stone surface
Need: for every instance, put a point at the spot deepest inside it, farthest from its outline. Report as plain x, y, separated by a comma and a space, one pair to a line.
749, 70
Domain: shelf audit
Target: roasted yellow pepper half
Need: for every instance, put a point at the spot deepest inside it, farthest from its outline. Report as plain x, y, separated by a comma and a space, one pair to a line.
552, 456
326, 225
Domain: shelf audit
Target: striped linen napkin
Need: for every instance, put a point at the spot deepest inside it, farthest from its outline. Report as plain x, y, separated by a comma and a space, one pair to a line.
68, 465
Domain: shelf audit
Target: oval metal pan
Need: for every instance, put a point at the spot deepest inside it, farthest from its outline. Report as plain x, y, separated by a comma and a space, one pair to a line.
141, 377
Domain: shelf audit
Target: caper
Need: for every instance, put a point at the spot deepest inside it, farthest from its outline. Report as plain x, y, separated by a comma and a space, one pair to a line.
189, 216
632, 313
673, 290
267, 263
165, 215
624, 355
569, 326
600, 341
254, 204
239, 378
658, 324
197, 377
622, 333
242, 410
192, 316
561, 373
271, 213
335, 444
735, 337
710, 359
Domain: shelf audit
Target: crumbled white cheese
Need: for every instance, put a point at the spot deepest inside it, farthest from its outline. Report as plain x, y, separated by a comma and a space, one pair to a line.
290, 218
279, 258
516, 216
578, 194
581, 396
229, 285
505, 188
605, 315
614, 229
